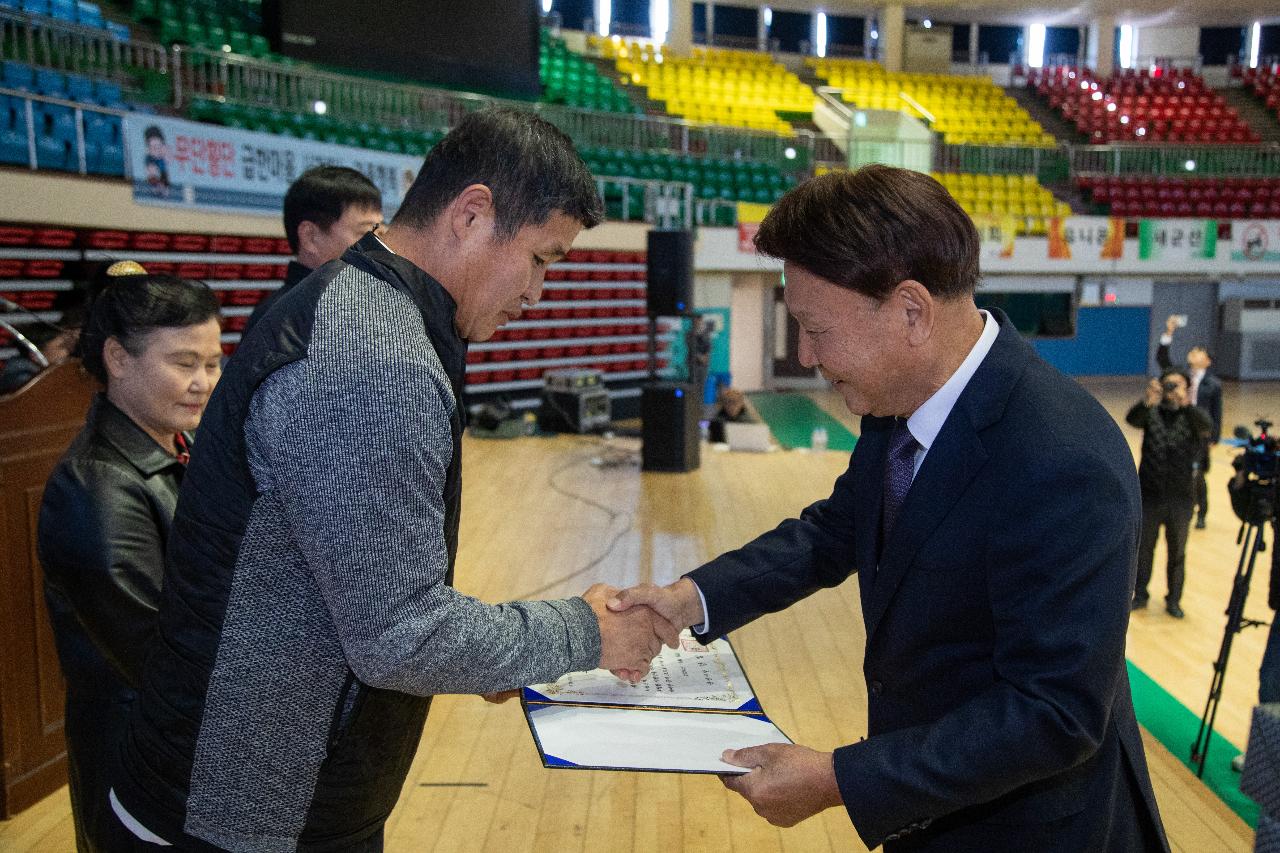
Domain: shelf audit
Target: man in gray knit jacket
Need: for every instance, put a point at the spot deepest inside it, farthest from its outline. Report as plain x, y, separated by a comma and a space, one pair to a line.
307, 614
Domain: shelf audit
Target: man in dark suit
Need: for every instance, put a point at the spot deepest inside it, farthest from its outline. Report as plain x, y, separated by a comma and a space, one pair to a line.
991, 511
326, 211
1206, 393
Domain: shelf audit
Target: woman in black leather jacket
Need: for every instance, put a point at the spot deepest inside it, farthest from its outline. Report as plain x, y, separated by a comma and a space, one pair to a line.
154, 342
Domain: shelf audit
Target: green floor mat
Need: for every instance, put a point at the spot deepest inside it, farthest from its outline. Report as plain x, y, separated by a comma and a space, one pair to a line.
792, 418
1175, 726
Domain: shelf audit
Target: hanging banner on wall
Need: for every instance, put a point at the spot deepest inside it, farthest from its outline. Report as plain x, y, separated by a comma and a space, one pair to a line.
1083, 238
750, 215
1255, 240
189, 164
997, 234
1086, 237
1177, 239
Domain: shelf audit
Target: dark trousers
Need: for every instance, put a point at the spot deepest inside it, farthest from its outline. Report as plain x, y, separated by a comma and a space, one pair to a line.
1202, 488
124, 841
1175, 515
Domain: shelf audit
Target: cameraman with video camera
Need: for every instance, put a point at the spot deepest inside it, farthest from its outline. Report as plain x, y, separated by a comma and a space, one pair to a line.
1173, 441
1255, 498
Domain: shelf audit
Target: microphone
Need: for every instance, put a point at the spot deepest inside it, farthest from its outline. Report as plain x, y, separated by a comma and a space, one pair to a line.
32, 350
14, 308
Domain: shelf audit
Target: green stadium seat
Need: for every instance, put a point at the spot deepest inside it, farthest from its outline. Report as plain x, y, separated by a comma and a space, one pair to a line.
216, 38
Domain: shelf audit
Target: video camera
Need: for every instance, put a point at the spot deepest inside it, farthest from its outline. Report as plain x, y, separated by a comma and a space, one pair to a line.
1254, 489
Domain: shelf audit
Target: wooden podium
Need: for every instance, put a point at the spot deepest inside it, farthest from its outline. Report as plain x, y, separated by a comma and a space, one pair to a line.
37, 422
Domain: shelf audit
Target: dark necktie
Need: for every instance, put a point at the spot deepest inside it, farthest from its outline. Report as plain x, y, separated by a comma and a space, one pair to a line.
899, 468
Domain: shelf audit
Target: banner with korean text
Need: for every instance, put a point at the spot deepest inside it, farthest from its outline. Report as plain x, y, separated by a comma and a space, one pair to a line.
1177, 239
204, 166
1085, 237
1091, 238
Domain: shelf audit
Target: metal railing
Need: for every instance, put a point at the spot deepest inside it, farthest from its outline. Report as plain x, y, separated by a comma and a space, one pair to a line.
190, 72
664, 204
78, 113
1050, 165
67, 47
1184, 160
1195, 63
237, 79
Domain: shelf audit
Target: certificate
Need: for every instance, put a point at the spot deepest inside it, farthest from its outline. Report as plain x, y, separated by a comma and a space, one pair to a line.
695, 703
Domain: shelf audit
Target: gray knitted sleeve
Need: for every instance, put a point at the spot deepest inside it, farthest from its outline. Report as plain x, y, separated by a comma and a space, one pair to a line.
355, 442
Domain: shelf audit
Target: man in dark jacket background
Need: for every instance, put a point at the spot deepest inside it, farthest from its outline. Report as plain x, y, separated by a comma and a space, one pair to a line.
1174, 434
1204, 390
326, 211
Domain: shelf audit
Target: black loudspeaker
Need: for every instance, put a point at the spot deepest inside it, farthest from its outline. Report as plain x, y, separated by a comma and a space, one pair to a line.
670, 273
671, 438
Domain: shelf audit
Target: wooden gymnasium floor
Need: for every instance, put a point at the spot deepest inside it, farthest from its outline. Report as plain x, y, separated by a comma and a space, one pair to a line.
538, 515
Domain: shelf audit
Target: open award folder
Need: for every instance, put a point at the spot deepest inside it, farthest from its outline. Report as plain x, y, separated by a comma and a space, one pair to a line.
694, 704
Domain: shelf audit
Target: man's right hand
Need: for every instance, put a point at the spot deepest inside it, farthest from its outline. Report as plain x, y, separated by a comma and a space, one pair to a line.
1171, 325
629, 641
1154, 393
678, 603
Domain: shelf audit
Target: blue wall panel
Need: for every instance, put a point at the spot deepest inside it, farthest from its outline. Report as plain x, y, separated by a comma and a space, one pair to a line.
1108, 342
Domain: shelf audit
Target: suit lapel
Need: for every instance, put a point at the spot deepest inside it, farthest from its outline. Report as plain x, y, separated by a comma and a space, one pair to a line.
869, 495
956, 457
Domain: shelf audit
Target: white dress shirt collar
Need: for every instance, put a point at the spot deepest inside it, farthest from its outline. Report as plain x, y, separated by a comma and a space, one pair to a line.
926, 422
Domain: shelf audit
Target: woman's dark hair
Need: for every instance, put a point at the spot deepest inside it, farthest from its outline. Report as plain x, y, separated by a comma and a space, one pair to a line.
529, 165
870, 229
127, 307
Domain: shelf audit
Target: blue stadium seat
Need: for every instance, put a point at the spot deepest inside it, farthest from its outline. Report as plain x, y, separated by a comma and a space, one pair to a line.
80, 88
13, 145
103, 158
111, 159
89, 15
59, 123
10, 4
108, 94
63, 10
53, 153
102, 129
13, 131
19, 75
36, 7
52, 84
118, 31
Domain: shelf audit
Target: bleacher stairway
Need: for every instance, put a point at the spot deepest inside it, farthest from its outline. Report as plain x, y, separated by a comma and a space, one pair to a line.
1253, 112
637, 94
1048, 118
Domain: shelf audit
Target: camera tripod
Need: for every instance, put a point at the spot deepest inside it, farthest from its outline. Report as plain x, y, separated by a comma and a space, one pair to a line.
1250, 535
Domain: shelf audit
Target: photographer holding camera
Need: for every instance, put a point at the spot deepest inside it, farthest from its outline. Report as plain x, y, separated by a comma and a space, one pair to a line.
1173, 441
1205, 391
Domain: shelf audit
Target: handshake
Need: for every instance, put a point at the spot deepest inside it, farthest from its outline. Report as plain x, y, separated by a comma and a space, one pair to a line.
636, 623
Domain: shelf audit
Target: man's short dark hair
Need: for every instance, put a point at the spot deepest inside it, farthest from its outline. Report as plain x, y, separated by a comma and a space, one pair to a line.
322, 194
528, 164
871, 229
1204, 350
1175, 371
152, 132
